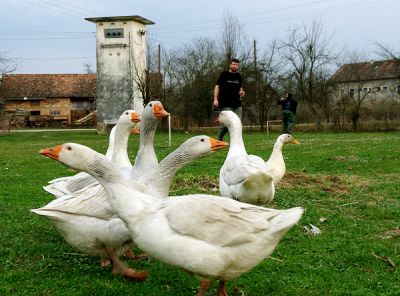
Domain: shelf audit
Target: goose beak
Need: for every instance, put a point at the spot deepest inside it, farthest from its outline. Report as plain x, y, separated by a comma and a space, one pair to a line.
135, 117
217, 145
53, 152
294, 141
159, 111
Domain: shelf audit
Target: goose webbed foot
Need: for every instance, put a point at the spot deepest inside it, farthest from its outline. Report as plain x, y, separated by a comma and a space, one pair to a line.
118, 267
105, 262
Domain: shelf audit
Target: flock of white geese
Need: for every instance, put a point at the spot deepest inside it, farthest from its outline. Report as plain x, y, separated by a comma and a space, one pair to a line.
111, 204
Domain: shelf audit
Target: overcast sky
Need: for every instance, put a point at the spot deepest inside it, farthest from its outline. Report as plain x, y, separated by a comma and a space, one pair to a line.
51, 36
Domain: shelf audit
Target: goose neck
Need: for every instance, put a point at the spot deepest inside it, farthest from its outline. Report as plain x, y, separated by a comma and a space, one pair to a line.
172, 163
120, 152
127, 202
236, 145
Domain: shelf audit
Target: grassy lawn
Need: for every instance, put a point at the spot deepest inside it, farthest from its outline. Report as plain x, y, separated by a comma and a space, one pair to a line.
347, 182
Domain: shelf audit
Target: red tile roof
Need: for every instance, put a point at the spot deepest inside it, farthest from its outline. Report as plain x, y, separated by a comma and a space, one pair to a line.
48, 85
366, 71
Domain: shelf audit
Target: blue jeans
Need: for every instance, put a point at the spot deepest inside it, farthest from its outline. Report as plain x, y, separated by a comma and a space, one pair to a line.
223, 129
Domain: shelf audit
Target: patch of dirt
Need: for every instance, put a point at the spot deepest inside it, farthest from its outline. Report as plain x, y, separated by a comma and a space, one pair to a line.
343, 158
337, 184
392, 233
204, 182
329, 183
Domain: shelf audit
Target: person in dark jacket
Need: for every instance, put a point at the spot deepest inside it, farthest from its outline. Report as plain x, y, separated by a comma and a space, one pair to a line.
289, 107
228, 93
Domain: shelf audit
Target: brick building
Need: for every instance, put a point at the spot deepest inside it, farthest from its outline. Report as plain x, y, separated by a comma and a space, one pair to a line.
54, 98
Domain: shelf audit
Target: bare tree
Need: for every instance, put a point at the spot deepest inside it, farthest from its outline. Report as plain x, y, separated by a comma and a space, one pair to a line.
351, 87
387, 52
139, 78
87, 68
308, 55
7, 65
233, 41
194, 74
189, 75
260, 89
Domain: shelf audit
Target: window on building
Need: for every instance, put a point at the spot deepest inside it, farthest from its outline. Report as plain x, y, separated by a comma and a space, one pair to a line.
114, 33
351, 92
34, 112
378, 88
55, 113
365, 89
398, 89
385, 88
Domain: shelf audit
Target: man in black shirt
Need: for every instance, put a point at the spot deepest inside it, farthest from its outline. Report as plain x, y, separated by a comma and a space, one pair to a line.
289, 107
228, 93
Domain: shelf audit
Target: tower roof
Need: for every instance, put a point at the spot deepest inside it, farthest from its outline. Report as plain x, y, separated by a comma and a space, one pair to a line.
136, 18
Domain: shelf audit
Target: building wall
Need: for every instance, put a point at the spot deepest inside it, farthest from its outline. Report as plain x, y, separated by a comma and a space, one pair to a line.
57, 109
23, 104
379, 89
120, 61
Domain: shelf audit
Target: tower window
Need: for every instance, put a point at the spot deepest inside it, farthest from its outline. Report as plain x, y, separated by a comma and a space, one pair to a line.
114, 33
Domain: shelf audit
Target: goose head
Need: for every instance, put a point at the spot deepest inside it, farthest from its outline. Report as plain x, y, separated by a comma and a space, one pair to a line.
128, 118
228, 119
287, 139
73, 155
154, 110
199, 146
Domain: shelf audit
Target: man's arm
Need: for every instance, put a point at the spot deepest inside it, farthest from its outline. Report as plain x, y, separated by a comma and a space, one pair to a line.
281, 101
241, 92
216, 93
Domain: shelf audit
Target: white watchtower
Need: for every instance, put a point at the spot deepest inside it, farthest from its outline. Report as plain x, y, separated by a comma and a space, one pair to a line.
121, 66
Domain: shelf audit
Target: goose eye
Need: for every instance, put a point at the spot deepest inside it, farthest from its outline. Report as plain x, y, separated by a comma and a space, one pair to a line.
151, 105
127, 113
202, 139
69, 148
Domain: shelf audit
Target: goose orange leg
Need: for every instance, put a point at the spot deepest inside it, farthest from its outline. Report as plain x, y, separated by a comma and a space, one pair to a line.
129, 254
222, 289
118, 267
204, 285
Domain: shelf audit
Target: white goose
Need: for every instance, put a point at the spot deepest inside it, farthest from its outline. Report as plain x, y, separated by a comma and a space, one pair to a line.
211, 237
88, 224
248, 178
243, 177
117, 151
146, 158
276, 164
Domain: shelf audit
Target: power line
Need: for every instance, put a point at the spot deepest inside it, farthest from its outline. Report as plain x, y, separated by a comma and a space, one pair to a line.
334, 9
69, 4
52, 59
62, 11
46, 38
250, 14
46, 32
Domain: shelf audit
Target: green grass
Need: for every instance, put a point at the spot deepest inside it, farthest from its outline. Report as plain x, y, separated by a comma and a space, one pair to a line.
351, 179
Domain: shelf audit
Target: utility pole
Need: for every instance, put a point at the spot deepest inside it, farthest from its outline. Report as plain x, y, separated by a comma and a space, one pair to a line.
159, 59
255, 72
160, 78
